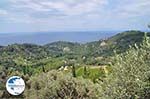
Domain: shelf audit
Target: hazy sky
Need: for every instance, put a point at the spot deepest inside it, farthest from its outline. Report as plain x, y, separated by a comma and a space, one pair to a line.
73, 15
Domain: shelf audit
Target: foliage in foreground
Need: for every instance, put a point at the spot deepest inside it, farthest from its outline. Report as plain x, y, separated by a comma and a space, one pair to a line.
130, 78
55, 85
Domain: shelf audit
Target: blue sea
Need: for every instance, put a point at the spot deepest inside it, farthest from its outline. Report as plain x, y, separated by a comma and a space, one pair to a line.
42, 38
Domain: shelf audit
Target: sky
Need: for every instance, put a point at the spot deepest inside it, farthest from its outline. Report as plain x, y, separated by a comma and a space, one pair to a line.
73, 15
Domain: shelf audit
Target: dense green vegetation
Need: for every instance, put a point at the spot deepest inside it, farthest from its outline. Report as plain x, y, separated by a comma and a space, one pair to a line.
114, 68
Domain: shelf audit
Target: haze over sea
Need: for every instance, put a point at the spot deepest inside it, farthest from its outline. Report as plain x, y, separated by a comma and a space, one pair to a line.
48, 37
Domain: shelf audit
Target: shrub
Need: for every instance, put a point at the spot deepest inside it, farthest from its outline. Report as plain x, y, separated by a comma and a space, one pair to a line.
56, 85
130, 78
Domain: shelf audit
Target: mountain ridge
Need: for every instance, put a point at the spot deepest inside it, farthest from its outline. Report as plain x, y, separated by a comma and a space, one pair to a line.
92, 53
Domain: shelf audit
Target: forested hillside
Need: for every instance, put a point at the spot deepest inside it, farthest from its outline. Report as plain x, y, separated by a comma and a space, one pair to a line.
81, 71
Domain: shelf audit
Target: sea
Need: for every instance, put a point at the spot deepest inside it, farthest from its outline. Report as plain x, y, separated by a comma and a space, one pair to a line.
42, 38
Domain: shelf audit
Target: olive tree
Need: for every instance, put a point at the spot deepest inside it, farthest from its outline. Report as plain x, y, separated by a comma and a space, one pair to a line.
130, 77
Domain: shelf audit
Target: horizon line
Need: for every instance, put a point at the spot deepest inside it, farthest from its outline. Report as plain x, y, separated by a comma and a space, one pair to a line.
67, 31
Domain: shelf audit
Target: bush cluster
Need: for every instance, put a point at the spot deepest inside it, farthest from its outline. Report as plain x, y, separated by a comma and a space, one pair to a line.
56, 85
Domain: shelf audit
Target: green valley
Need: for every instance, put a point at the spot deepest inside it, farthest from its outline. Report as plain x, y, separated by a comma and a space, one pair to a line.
114, 68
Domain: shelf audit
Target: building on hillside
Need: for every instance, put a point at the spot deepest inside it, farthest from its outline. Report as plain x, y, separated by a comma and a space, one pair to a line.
66, 68
103, 43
